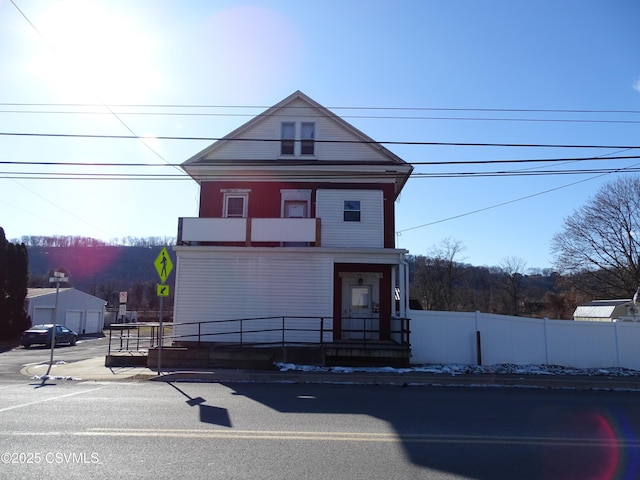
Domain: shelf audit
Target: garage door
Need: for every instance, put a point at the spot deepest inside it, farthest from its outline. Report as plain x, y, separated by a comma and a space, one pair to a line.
42, 315
93, 323
73, 320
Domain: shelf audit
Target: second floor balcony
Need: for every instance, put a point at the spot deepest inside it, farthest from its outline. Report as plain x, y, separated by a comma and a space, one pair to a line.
249, 231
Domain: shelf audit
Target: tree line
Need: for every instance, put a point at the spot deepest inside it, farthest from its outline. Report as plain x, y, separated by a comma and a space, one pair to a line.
597, 256
79, 241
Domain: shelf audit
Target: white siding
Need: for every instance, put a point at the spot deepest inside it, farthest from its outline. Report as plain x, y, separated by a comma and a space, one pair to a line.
223, 286
367, 233
298, 111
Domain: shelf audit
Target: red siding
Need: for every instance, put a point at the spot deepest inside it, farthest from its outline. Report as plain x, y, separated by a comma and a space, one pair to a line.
265, 201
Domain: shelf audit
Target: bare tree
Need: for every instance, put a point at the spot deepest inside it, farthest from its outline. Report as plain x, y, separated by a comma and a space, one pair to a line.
512, 270
600, 243
436, 274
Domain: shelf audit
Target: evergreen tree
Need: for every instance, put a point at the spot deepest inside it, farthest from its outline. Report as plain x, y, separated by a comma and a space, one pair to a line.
14, 268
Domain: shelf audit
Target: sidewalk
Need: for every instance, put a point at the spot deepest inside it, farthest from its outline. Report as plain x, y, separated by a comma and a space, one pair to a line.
94, 370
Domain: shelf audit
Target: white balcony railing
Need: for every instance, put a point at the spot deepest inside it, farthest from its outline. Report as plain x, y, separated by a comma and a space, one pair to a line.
249, 231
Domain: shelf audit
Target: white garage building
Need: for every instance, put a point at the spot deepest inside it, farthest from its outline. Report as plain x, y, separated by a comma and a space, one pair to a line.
77, 310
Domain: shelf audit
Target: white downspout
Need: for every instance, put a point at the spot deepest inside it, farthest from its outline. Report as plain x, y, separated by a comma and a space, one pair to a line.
404, 287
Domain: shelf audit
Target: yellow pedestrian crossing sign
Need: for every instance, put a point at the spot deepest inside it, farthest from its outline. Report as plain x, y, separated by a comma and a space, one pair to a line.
162, 290
163, 264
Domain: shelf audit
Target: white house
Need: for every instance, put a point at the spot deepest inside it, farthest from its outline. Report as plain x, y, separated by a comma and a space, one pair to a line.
623, 310
296, 228
77, 310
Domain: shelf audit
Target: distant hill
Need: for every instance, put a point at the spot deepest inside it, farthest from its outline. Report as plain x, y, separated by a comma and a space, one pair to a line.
89, 267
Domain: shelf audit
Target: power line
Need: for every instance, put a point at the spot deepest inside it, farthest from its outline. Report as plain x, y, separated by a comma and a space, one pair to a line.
365, 142
370, 117
344, 116
430, 163
289, 176
383, 108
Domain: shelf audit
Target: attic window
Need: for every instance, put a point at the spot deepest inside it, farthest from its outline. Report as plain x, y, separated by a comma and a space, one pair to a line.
288, 135
307, 138
351, 211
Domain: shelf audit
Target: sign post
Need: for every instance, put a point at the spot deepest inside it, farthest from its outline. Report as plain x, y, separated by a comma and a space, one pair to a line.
163, 265
58, 277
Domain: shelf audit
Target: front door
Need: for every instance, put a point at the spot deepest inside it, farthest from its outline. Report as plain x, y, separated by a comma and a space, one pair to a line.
361, 318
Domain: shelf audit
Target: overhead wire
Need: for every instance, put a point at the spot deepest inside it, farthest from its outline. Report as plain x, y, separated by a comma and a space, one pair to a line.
342, 107
347, 116
359, 141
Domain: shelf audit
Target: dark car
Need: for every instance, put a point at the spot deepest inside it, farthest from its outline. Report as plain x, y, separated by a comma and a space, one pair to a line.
41, 334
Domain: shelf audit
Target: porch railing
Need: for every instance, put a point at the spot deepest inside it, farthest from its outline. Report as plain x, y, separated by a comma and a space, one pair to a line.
249, 231
260, 331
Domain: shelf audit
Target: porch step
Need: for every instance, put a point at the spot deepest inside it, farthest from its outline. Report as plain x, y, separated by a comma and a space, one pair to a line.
372, 355
126, 359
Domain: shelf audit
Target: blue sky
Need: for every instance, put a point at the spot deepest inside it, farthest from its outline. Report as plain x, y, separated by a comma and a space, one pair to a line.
471, 71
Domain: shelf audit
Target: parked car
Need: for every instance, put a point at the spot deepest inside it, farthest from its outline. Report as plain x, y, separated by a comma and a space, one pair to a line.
41, 334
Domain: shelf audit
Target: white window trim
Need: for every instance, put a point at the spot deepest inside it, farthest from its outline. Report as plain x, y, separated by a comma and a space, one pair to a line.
345, 210
225, 203
297, 140
290, 195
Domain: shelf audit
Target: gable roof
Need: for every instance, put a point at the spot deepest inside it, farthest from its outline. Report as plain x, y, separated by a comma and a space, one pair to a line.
39, 292
378, 160
599, 308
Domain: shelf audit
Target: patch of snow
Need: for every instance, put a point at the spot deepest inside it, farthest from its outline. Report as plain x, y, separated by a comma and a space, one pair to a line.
498, 369
44, 378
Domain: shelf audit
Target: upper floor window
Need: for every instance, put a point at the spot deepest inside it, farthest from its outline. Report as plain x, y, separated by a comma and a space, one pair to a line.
235, 205
287, 138
307, 138
297, 138
351, 211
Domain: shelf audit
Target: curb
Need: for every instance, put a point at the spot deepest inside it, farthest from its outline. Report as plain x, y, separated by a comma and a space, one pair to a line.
94, 370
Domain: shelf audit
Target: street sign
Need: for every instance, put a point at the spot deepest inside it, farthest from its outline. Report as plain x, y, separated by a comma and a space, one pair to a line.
58, 279
163, 264
123, 297
122, 310
162, 290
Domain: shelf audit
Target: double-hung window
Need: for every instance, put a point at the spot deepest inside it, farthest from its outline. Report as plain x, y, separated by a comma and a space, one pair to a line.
287, 138
351, 211
235, 205
297, 138
307, 138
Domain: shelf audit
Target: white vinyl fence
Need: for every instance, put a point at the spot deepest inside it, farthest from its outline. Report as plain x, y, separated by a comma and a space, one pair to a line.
452, 338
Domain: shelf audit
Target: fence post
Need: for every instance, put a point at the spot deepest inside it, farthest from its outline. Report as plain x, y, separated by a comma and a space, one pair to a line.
546, 342
478, 348
321, 331
615, 326
282, 332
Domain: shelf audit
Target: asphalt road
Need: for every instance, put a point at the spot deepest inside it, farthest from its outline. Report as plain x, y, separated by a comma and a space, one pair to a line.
305, 431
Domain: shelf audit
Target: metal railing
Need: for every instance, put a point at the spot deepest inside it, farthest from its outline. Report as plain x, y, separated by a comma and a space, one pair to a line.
259, 331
